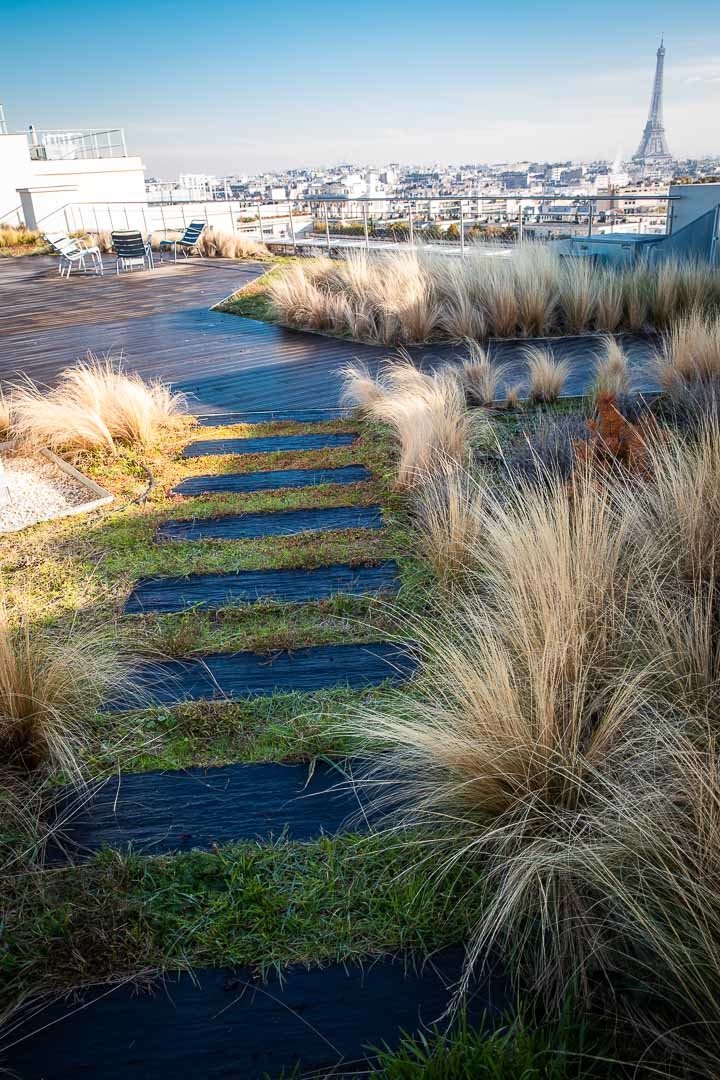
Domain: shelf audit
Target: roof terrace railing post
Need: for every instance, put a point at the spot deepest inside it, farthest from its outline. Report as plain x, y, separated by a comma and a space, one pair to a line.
260, 222
292, 227
127, 220
462, 228
669, 218
410, 220
590, 219
365, 226
232, 217
182, 211
162, 217
97, 227
520, 222
327, 227
122, 142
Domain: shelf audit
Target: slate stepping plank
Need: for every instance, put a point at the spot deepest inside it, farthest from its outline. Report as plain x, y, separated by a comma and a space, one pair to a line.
161, 812
271, 416
233, 676
168, 594
219, 1023
279, 523
273, 480
271, 444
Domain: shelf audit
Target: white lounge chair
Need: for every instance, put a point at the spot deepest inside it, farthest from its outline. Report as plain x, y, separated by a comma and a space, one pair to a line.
73, 252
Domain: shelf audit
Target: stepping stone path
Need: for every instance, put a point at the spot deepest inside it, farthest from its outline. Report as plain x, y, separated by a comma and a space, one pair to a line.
279, 523
161, 812
215, 1023
274, 480
216, 591
271, 445
234, 676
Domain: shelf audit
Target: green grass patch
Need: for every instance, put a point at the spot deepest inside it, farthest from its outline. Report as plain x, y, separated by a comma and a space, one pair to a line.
262, 905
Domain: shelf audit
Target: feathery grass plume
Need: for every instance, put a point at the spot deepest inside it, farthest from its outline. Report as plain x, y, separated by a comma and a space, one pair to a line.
94, 404
447, 503
426, 412
636, 301
578, 294
462, 315
215, 242
690, 352
612, 372
47, 418
536, 270
101, 240
411, 300
520, 718
664, 881
480, 377
665, 292
513, 395
297, 299
546, 375
51, 685
499, 297
608, 301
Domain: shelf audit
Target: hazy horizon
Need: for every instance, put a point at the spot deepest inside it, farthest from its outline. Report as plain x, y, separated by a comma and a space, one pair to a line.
268, 89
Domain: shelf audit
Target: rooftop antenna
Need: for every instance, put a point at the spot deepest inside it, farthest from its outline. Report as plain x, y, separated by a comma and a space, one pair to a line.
3, 124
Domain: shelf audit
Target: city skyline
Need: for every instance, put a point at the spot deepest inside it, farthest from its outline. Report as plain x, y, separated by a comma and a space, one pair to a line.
407, 85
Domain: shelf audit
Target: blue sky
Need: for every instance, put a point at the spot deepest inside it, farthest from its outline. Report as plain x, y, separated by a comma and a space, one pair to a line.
225, 87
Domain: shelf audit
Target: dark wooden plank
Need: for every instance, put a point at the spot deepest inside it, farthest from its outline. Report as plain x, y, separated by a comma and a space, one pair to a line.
270, 416
221, 1024
233, 676
273, 444
160, 812
294, 586
280, 523
274, 480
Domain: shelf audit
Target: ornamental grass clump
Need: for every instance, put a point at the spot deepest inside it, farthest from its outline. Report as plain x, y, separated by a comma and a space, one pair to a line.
480, 376
94, 405
51, 684
612, 371
425, 411
546, 376
689, 355
522, 719
447, 506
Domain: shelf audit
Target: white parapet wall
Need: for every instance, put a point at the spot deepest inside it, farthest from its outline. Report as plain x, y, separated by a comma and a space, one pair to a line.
55, 187
14, 173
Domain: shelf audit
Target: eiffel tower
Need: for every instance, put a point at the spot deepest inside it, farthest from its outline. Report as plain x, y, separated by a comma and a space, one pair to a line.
653, 149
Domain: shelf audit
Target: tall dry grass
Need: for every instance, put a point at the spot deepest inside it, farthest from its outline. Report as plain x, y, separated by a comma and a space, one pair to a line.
425, 411
5, 416
690, 352
562, 735
51, 685
216, 243
12, 236
403, 297
612, 370
93, 405
481, 377
546, 376
448, 512
521, 717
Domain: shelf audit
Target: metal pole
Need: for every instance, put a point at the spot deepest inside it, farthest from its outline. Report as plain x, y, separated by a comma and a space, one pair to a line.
520, 222
162, 215
327, 228
292, 227
232, 218
590, 220
365, 224
127, 222
260, 221
182, 211
462, 228
122, 140
410, 219
109, 214
97, 227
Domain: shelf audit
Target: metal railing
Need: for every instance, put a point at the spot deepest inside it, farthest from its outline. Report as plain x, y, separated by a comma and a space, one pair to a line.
84, 144
449, 223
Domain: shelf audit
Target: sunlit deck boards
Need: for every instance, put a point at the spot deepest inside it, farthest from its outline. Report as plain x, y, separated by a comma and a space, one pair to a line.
162, 325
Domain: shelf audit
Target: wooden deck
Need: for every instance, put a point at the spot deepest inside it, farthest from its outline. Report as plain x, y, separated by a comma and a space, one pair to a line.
161, 324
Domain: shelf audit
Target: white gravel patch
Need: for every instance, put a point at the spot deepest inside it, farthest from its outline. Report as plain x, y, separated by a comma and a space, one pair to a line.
33, 489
